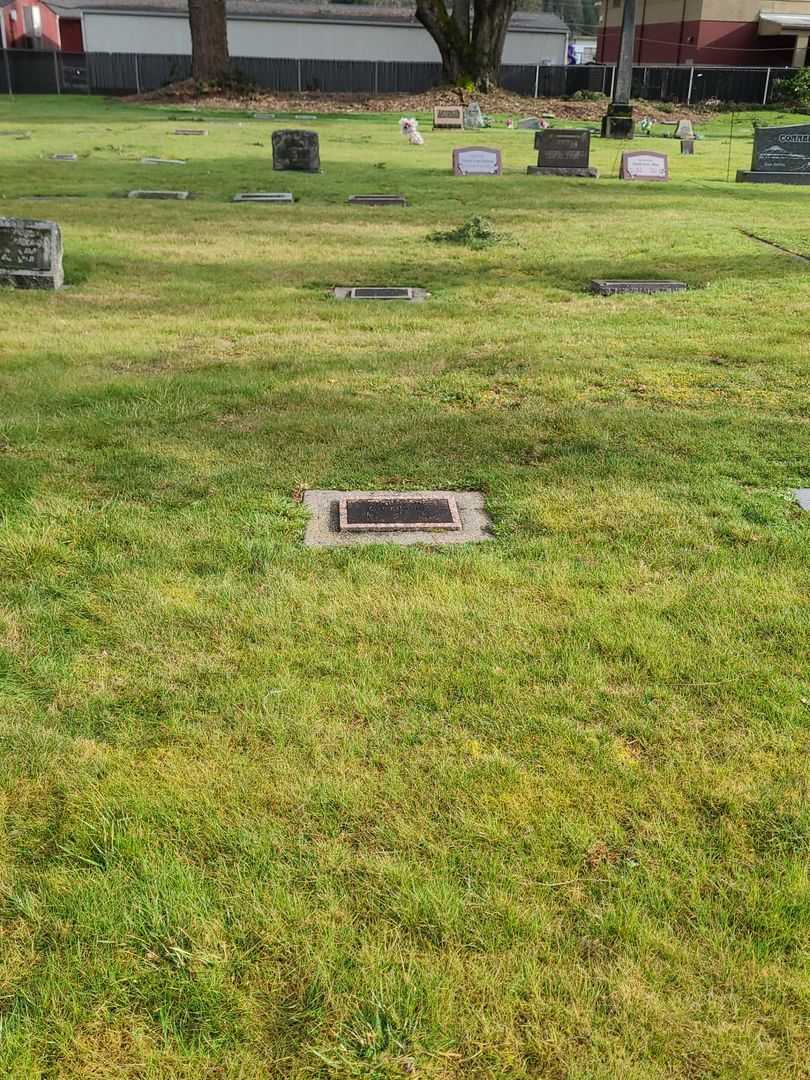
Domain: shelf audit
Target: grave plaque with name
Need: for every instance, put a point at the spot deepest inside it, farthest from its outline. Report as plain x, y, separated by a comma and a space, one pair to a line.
64, 157
30, 254
190, 131
296, 150
377, 200
476, 161
781, 156
644, 165
161, 161
264, 197
398, 513
139, 194
606, 287
563, 152
448, 116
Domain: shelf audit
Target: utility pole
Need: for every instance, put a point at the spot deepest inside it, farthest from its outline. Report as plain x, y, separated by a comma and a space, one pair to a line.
618, 123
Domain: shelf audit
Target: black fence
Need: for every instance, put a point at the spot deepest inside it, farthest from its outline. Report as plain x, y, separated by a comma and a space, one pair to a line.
129, 73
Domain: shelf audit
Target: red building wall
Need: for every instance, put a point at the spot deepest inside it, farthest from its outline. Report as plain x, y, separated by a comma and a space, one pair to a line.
15, 28
732, 44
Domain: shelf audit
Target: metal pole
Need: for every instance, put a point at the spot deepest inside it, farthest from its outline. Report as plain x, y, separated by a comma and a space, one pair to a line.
767, 87
137, 75
56, 72
537, 81
612, 79
376, 76
730, 144
8, 73
691, 83
299, 76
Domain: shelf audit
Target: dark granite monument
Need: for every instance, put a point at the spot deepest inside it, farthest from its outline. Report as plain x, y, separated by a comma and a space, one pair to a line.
563, 152
297, 150
781, 156
30, 254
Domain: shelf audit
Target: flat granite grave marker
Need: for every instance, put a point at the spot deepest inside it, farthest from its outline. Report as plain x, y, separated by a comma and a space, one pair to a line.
15, 134
781, 156
377, 200
30, 254
644, 165
563, 152
448, 116
64, 157
347, 518
606, 287
264, 116
264, 197
191, 131
477, 161
161, 161
530, 123
139, 194
296, 150
380, 292
802, 496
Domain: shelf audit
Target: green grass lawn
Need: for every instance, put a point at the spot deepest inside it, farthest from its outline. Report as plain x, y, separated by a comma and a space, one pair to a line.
535, 809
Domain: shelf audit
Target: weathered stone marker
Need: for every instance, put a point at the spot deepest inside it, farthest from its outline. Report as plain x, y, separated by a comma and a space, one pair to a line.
264, 197
191, 131
802, 496
644, 165
473, 117
297, 150
687, 146
604, 287
476, 161
161, 161
138, 194
563, 152
684, 130
448, 116
64, 157
781, 156
30, 254
530, 123
377, 200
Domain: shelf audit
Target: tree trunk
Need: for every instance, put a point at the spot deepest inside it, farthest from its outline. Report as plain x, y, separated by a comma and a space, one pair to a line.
470, 43
210, 61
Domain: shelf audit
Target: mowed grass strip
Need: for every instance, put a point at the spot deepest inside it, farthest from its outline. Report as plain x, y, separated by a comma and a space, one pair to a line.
530, 809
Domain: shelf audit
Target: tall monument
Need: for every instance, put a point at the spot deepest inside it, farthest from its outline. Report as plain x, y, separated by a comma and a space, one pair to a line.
618, 123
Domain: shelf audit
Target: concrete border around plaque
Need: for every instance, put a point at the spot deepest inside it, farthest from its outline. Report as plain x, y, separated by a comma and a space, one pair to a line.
387, 293
377, 200
781, 156
618, 287
477, 161
140, 193
644, 165
466, 520
264, 197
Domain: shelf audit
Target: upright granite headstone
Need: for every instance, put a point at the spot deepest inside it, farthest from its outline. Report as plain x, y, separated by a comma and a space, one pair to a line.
476, 161
644, 165
684, 130
563, 152
781, 156
30, 254
296, 150
473, 117
448, 116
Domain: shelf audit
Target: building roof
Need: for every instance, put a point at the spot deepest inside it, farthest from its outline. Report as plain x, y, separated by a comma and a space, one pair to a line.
530, 21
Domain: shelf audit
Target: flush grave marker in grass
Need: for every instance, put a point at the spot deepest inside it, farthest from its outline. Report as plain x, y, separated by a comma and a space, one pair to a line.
342, 518
161, 161
610, 288
64, 157
264, 197
190, 131
380, 292
803, 497
138, 194
377, 200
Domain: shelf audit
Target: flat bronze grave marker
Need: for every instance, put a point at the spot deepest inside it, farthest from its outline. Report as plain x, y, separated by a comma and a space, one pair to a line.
158, 194
605, 287
398, 513
380, 292
264, 197
377, 200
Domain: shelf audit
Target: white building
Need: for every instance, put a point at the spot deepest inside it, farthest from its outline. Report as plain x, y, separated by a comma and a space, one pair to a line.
298, 31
